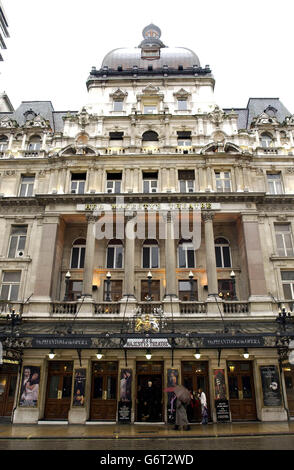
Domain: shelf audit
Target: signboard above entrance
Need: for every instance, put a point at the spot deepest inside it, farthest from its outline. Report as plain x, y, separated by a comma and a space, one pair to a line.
64, 343
233, 341
147, 343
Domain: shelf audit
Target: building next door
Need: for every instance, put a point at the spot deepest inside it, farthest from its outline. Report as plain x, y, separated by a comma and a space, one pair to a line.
289, 382
104, 391
149, 392
59, 387
241, 391
8, 379
195, 376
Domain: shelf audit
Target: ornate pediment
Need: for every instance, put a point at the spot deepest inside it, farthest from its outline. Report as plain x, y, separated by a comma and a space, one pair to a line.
289, 120
8, 123
182, 94
150, 90
78, 149
118, 94
34, 120
264, 119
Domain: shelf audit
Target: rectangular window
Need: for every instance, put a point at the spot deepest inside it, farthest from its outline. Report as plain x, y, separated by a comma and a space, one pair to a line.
223, 181
150, 257
150, 182
17, 241
118, 105
78, 183
182, 105
150, 109
184, 138
188, 290
186, 181
26, 186
10, 285
186, 256
154, 288
75, 290
226, 289
115, 290
114, 257
113, 183
288, 284
284, 239
274, 182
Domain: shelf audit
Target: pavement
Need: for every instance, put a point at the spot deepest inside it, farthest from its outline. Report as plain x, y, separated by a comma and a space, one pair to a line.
143, 431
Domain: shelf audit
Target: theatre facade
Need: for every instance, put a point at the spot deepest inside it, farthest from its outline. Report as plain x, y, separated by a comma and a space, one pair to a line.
146, 241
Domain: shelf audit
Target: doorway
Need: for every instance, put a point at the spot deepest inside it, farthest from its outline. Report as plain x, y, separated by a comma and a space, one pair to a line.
8, 379
195, 376
149, 392
241, 391
104, 391
59, 388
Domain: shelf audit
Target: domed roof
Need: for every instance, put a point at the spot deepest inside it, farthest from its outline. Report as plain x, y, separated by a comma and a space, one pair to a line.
151, 51
171, 56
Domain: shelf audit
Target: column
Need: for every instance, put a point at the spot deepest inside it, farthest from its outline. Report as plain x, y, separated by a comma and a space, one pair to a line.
46, 264
254, 257
170, 259
89, 256
129, 257
207, 217
11, 137
44, 142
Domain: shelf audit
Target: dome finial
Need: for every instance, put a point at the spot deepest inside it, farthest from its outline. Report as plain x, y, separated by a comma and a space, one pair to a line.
151, 31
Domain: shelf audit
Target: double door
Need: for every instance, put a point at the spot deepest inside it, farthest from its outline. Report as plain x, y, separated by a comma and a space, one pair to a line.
194, 377
241, 391
104, 391
8, 379
59, 388
149, 399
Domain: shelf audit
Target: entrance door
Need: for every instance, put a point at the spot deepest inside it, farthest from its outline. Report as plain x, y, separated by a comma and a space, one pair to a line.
59, 387
195, 376
149, 395
8, 379
104, 391
241, 391
289, 382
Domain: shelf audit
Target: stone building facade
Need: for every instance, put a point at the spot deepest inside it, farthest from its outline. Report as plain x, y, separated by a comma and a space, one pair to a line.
151, 149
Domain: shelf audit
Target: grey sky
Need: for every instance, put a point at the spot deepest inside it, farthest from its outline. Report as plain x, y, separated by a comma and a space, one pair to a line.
53, 45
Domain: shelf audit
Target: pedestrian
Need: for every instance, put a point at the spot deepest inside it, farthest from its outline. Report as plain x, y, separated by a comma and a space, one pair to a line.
181, 416
204, 410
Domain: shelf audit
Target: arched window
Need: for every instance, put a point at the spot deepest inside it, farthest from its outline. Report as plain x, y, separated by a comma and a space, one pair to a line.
115, 252
78, 254
150, 136
150, 257
186, 254
34, 143
222, 253
266, 140
3, 143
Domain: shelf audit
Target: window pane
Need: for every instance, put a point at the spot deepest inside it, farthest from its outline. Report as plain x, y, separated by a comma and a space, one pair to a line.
182, 257
111, 388
30, 190
146, 257
246, 386
21, 243
110, 257
146, 186
191, 259
53, 386
119, 256
66, 389
117, 186
75, 257
14, 292
5, 292
218, 257
82, 258
287, 291
81, 187
117, 105
154, 252
227, 257
11, 276
98, 387
23, 190
182, 186
287, 275
12, 248
233, 387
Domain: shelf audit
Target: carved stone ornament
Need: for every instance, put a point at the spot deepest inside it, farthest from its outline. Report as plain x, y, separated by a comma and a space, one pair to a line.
289, 120
118, 94
8, 123
264, 119
182, 94
290, 170
150, 90
9, 172
38, 122
217, 116
207, 215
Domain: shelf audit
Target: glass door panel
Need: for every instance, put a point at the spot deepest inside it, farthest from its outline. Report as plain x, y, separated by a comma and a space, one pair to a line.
53, 386
233, 387
246, 387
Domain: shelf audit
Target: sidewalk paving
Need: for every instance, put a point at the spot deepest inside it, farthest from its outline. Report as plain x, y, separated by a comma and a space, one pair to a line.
138, 431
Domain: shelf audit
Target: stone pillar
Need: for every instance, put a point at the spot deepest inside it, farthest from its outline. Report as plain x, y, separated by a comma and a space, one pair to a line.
44, 142
46, 264
255, 265
129, 258
89, 256
23, 144
170, 259
207, 217
11, 137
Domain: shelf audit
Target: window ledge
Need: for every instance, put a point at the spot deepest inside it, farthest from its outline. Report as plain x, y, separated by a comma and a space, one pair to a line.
26, 259
281, 258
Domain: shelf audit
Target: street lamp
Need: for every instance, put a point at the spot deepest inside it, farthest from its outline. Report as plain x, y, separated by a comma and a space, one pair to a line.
99, 354
197, 354
149, 277
67, 279
108, 278
148, 355
233, 278
191, 276
246, 353
52, 354
14, 318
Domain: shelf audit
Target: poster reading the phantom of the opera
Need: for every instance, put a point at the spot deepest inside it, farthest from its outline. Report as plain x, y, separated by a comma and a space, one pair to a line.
271, 387
79, 387
29, 388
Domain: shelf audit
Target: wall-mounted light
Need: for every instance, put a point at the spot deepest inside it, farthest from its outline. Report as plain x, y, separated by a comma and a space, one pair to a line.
148, 355
52, 354
99, 354
246, 353
197, 354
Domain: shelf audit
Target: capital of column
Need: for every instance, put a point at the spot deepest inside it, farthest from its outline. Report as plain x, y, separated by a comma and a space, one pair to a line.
207, 215
91, 219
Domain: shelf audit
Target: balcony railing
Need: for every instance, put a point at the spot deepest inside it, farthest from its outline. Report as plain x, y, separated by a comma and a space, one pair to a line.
107, 308
64, 307
7, 307
235, 307
193, 307
31, 153
150, 307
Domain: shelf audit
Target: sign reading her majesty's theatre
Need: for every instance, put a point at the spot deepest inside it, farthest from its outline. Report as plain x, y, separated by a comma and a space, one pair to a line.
147, 343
